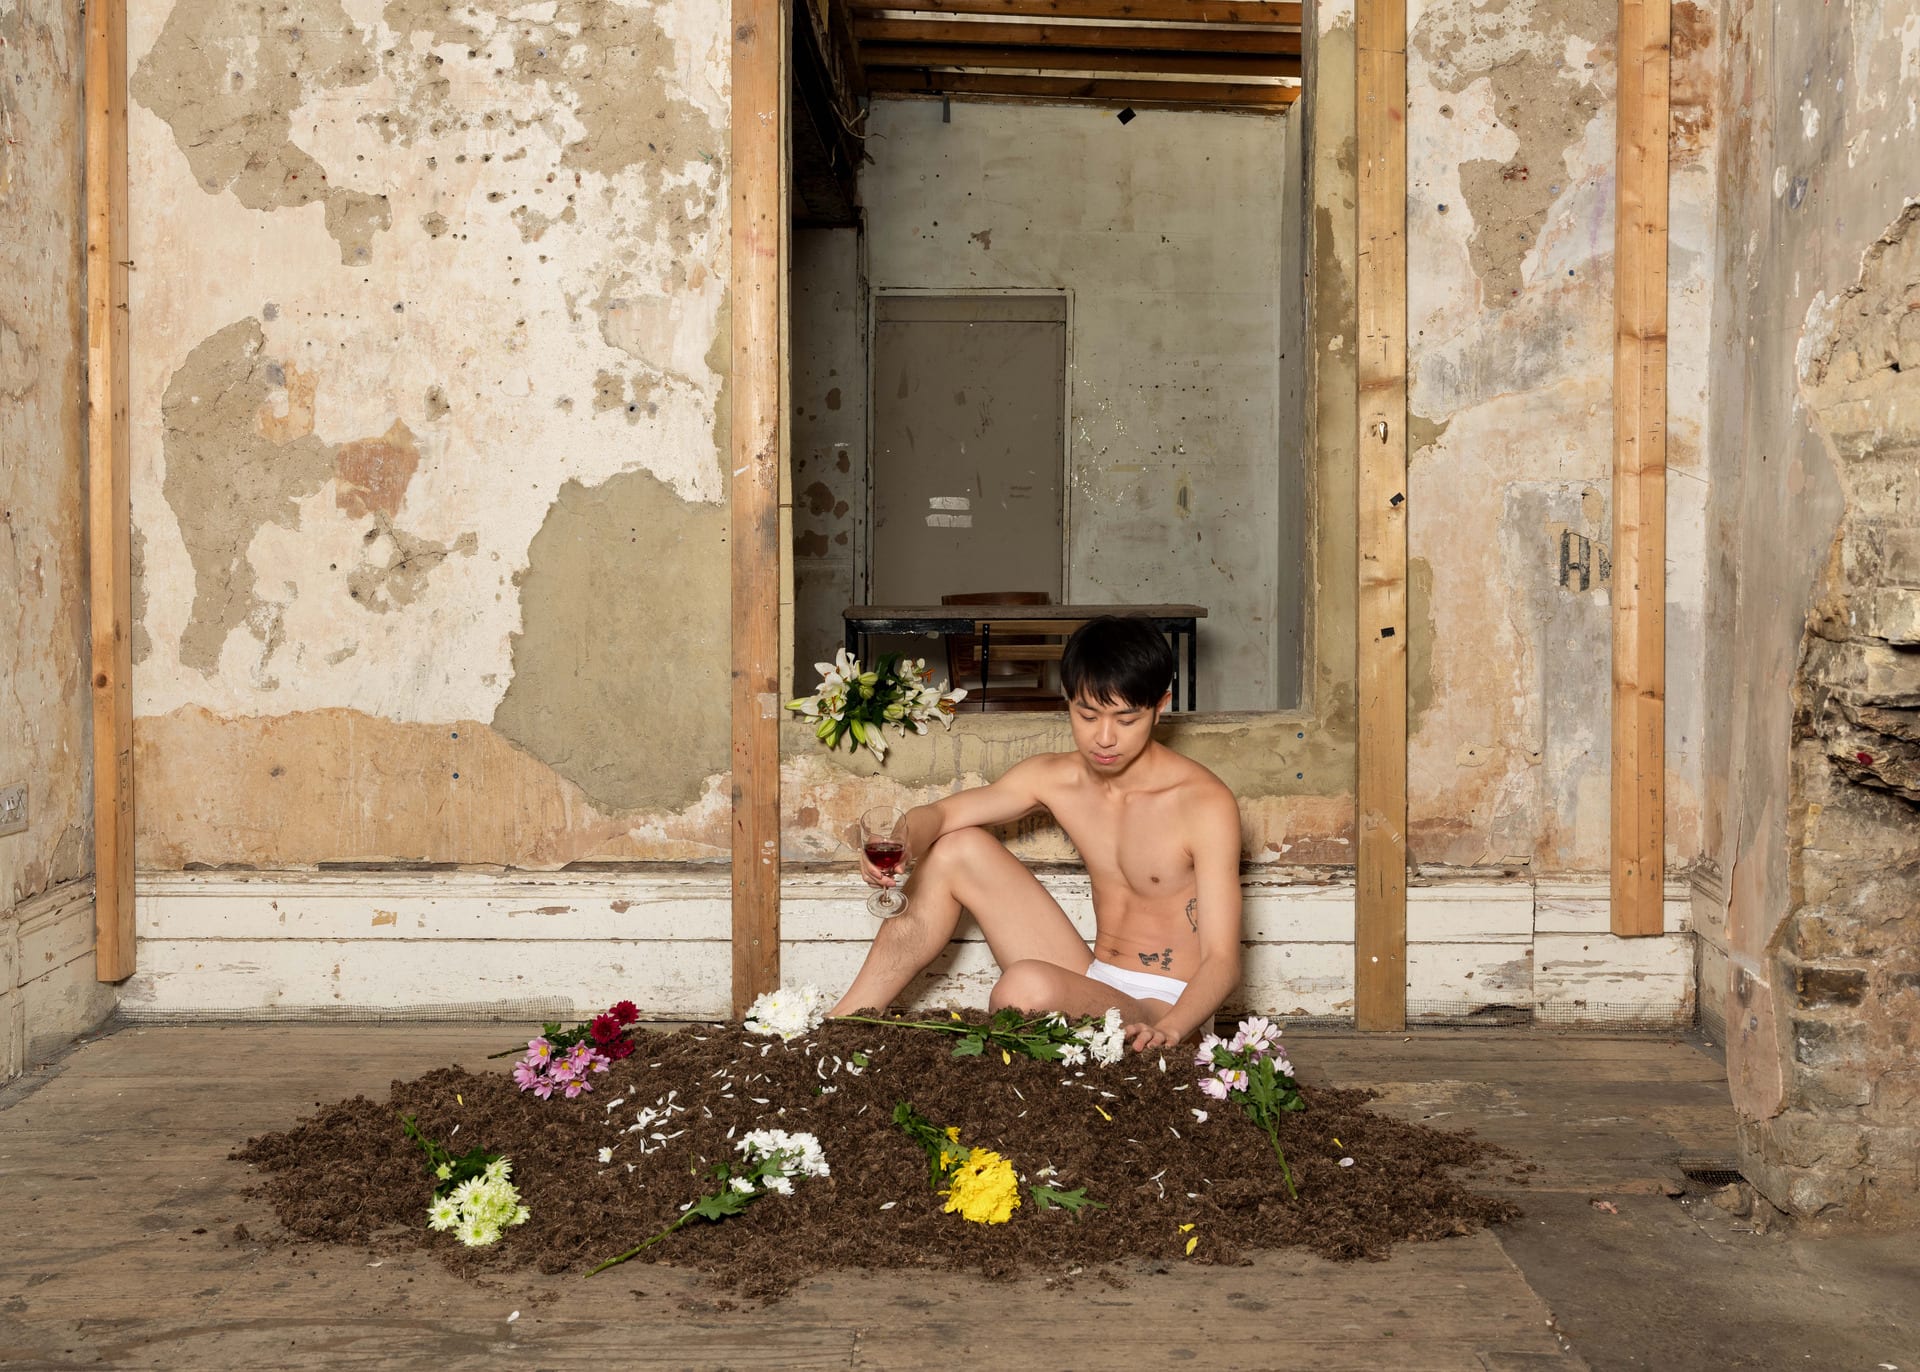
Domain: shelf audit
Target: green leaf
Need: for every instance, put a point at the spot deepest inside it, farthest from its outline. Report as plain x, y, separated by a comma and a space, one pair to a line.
860, 1060
972, 1046
1074, 1201
723, 1204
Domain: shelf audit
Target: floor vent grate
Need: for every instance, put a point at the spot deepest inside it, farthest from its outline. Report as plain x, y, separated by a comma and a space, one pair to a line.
1712, 1176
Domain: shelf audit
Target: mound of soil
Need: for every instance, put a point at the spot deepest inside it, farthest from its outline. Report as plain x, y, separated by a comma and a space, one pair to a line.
1127, 1133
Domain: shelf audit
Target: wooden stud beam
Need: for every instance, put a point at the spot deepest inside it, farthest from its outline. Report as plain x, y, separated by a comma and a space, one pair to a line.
1380, 792
1106, 38
109, 510
1085, 90
1640, 472
759, 114
1157, 11
914, 57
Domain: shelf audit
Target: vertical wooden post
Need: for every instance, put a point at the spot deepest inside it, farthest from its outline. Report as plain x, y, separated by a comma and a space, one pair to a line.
759, 117
1640, 472
1380, 792
109, 511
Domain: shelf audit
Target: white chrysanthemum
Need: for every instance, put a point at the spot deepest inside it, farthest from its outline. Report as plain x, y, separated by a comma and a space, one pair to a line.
1105, 1042
778, 1182
1073, 1054
499, 1169
789, 1012
606, 1155
799, 1154
741, 1184
443, 1214
476, 1232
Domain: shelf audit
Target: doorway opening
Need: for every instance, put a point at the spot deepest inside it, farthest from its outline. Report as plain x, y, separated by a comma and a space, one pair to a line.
1048, 321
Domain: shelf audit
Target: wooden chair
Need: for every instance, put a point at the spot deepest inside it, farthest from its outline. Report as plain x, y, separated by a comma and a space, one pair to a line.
1014, 683
1022, 644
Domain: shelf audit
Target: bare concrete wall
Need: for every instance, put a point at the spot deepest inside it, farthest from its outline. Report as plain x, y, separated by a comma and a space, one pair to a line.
45, 885
1168, 232
430, 306
828, 383
1813, 830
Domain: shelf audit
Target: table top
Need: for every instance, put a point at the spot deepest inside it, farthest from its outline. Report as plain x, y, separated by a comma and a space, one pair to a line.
977, 613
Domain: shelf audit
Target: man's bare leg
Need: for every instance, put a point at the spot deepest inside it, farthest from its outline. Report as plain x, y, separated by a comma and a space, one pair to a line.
1038, 985
968, 868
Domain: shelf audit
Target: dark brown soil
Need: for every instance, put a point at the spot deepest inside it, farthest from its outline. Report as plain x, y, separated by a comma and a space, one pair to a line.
347, 1175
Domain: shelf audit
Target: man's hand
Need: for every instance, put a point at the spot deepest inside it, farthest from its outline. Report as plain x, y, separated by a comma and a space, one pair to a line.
1144, 1037
873, 876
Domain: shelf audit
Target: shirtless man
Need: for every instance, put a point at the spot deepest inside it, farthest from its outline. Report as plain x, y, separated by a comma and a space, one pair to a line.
1160, 837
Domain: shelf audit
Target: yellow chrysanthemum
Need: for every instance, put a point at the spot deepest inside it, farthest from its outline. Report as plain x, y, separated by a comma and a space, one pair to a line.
984, 1188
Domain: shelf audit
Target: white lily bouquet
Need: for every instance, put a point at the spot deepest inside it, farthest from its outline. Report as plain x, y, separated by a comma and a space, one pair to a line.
859, 706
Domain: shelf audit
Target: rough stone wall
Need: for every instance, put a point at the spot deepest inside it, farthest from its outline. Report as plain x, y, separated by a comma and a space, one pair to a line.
1814, 823
428, 419
44, 731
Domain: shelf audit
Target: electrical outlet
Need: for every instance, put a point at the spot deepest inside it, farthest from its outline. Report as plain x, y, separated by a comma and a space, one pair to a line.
13, 808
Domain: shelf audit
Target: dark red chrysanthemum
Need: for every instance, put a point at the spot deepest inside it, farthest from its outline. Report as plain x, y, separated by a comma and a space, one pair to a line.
621, 1047
605, 1029
625, 1011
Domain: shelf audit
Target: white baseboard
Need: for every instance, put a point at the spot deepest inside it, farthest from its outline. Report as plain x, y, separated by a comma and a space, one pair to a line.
440, 944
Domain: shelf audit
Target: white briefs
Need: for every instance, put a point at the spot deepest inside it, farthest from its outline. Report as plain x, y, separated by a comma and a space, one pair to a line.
1139, 985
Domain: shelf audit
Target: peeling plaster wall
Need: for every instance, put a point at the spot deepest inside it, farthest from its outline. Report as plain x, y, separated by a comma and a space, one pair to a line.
1510, 244
430, 306
1168, 232
47, 987
1813, 829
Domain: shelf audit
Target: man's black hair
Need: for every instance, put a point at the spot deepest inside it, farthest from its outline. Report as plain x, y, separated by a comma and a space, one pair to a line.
1117, 661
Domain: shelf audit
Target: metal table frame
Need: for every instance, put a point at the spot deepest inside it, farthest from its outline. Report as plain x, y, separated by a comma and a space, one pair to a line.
864, 621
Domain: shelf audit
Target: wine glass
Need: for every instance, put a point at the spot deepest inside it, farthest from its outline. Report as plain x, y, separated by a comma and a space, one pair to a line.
888, 855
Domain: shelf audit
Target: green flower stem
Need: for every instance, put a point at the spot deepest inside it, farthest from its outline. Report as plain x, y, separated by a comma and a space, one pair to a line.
944, 1026
635, 1252
1273, 1136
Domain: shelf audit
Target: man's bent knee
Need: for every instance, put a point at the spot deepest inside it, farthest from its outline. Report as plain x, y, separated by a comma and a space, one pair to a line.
1029, 984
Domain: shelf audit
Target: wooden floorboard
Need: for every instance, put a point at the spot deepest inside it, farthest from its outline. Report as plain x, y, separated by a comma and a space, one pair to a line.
114, 1159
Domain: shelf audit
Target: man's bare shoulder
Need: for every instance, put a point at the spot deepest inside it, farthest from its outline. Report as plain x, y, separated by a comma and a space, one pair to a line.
1195, 781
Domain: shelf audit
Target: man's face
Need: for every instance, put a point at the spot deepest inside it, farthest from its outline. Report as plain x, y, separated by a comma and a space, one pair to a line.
1111, 735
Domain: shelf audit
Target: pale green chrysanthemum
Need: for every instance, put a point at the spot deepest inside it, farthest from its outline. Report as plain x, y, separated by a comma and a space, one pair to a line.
443, 1213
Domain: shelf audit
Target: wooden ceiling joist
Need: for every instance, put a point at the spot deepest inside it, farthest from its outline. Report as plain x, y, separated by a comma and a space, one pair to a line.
1083, 90
915, 57
873, 32
1285, 15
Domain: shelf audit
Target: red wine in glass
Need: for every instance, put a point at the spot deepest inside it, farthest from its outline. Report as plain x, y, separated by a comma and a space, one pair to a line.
888, 855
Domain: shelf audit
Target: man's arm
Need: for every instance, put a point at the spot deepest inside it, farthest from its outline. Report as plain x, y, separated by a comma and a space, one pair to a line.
1015, 795
1216, 874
